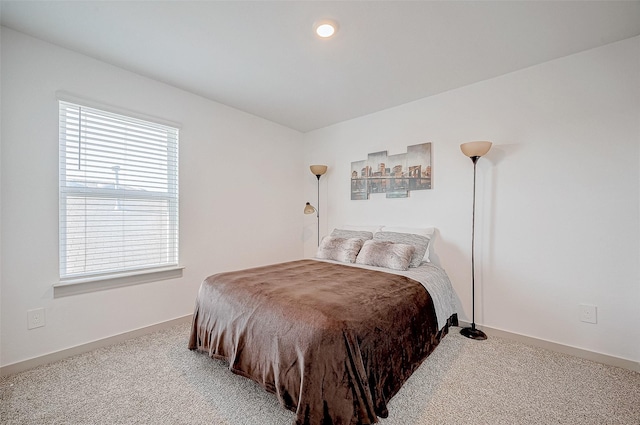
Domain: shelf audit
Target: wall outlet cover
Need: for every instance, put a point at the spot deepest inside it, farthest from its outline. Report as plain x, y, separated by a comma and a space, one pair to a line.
35, 318
588, 313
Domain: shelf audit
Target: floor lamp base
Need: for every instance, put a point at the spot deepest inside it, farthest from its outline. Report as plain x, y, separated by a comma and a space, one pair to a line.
473, 333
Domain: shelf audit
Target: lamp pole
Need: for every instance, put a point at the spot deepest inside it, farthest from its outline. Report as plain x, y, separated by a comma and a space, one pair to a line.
474, 150
316, 170
472, 332
318, 208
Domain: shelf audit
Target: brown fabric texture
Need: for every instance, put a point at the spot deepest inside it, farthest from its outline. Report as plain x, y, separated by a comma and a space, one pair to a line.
333, 342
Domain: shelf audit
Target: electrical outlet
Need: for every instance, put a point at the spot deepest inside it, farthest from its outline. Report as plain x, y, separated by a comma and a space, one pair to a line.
35, 318
588, 313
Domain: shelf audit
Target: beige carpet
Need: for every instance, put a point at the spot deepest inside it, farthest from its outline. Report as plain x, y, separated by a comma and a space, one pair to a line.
155, 379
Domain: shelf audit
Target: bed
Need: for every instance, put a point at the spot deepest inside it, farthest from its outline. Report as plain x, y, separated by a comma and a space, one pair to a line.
333, 339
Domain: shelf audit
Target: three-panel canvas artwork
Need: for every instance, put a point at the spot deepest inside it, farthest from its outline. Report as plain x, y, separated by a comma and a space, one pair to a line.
394, 175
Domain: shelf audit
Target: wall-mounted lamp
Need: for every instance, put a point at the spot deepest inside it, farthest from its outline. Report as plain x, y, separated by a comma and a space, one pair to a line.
317, 170
474, 150
309, 209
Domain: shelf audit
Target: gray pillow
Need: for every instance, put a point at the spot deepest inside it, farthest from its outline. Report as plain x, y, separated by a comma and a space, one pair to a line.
421, 243
396, 256
349, 234
339, 249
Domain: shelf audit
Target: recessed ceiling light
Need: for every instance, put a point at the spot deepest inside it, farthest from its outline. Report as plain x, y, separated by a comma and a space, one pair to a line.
326, 28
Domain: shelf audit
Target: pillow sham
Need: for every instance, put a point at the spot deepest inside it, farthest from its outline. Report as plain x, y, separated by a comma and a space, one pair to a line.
419, 242
339, 249
396, 256
350, 234
422, 231
363, 228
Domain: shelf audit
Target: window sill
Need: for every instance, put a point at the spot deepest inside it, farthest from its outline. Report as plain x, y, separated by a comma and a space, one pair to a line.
84, 285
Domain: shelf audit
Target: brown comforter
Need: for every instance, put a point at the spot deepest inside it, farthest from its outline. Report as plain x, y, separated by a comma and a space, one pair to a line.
333, 342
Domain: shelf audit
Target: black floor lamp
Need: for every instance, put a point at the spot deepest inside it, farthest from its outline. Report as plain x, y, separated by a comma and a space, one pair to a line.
474, 150
317, 170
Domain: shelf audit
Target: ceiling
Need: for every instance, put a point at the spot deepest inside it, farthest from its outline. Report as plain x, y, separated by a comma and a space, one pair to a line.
263, 58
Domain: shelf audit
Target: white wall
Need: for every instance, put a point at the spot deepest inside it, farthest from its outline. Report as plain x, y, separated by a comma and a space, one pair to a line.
558, 195
240, 197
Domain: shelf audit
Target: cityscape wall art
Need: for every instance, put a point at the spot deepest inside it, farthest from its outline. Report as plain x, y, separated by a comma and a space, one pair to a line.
393, 175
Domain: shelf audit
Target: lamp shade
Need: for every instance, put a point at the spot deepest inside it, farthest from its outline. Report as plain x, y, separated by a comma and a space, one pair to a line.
472, 149
309, 209
318, 170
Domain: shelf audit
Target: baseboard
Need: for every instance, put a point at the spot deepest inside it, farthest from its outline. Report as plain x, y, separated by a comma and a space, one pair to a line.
560, 348
536, 342
79, 349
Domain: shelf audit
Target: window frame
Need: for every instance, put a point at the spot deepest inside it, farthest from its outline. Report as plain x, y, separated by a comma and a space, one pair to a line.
97, 280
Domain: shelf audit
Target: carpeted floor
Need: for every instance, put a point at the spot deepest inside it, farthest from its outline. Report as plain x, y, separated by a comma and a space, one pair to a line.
155, 379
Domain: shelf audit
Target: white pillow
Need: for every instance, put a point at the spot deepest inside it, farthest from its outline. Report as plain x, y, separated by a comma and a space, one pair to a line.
422, 231
362, 228
349, 234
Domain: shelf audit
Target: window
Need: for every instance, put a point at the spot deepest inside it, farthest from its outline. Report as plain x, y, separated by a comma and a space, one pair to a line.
118, 193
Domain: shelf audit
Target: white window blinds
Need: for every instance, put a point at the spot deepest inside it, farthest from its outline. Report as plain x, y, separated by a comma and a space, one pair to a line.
118, 193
